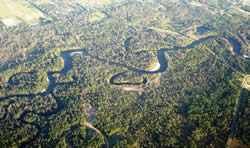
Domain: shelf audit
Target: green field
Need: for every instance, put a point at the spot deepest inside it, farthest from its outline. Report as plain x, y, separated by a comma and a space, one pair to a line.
13, 12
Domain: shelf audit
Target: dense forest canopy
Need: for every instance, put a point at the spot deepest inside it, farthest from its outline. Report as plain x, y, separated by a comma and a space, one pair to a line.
124, 73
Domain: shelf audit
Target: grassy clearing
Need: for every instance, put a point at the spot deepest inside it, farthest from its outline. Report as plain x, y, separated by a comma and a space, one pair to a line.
13, 12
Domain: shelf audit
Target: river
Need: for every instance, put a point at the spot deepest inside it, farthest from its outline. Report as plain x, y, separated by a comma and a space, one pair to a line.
67, 57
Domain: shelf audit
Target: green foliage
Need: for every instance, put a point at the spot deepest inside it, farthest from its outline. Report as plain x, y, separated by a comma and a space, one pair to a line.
192, 105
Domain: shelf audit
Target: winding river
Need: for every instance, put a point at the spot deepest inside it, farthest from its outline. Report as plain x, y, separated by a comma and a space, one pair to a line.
67, 57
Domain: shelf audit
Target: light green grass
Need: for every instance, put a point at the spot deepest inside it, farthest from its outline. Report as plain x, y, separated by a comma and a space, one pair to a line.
13, 12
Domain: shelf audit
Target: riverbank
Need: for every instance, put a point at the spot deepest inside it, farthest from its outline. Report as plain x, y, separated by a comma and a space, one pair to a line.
77, 52
156, 67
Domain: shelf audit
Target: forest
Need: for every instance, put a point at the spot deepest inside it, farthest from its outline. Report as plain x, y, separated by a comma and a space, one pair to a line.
127, 73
